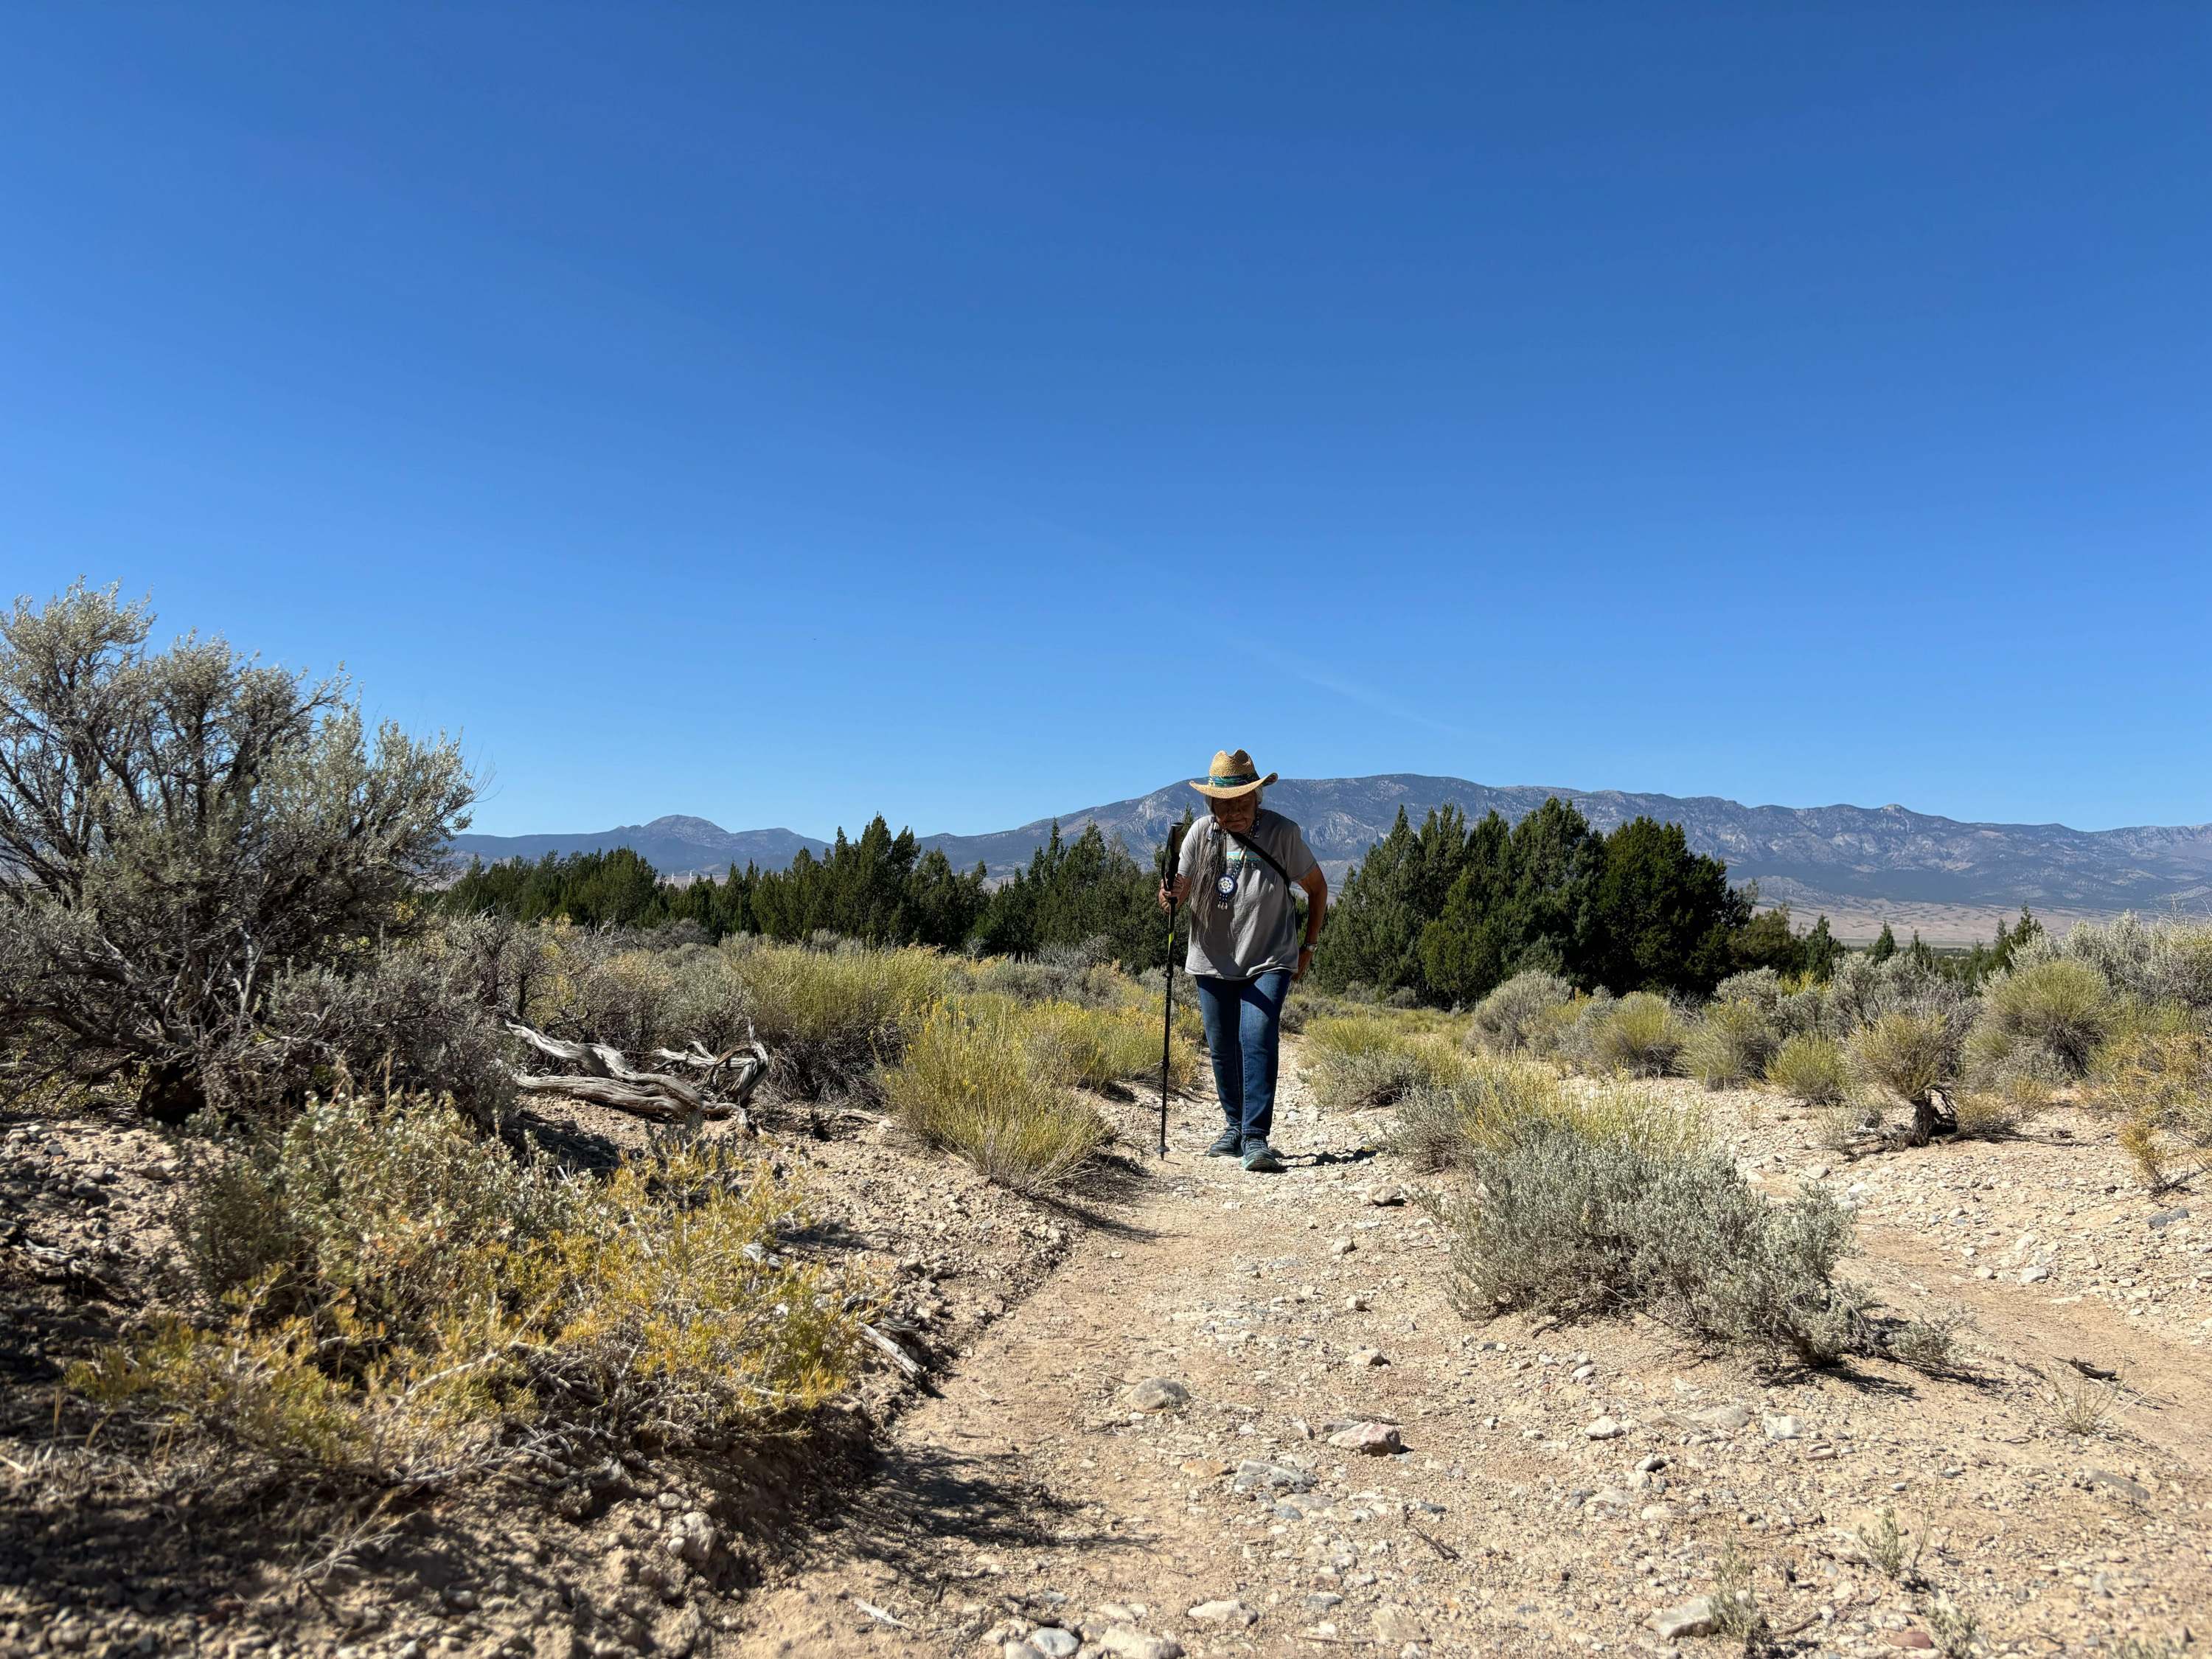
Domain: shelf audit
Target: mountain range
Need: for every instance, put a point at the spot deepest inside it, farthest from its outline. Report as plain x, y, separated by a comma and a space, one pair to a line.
1862, 866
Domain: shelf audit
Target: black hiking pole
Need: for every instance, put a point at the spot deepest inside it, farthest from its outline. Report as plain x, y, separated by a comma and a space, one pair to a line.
1167, 1003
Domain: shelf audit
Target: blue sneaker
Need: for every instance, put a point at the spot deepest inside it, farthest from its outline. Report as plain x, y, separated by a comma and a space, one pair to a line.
1260, 1157
1228, 1144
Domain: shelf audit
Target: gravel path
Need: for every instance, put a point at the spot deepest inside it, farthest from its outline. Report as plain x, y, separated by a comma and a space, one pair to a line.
1532, 1490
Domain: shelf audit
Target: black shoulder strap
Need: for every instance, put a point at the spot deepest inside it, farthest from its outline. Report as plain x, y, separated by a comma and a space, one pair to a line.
1265, 857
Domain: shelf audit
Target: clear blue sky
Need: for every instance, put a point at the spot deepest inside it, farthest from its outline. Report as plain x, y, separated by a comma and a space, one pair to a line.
972, 412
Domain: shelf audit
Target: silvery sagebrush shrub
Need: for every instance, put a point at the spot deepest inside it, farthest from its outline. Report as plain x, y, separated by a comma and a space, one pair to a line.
181, 830
2149, 962
1573, 1223
1761, 986
1509, 1017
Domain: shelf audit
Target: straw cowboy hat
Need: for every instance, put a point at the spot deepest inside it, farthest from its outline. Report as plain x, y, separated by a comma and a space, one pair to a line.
1232, 775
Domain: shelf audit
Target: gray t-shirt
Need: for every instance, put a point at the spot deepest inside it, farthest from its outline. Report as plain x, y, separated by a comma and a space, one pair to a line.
1243, 921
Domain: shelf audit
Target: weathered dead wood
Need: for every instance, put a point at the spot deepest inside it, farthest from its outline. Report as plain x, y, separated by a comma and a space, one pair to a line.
610, 1079
622, 1097
898, 1355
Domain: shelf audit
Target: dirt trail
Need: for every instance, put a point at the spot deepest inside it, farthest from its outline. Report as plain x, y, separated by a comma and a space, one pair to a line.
1029, 1495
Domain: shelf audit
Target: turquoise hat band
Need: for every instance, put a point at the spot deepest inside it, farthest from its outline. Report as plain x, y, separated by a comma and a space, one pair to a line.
1219, 782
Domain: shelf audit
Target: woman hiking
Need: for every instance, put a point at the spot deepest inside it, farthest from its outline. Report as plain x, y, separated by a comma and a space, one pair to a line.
1238, 867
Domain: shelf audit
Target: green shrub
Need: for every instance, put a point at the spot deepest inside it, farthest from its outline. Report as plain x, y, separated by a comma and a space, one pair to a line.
1643, 1037
397, 1293
1811, 1070
1571, 1222
2050, 1015
1911, 1053
828, 1016
1510, 1017
1366, 1061
1730, 1045
1906, 1053
1096, 1047
971, 1083
391, 1206
2159, 1073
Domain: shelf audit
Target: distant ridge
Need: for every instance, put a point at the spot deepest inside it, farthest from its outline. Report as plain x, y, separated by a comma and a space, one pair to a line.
675, 845
1860, 865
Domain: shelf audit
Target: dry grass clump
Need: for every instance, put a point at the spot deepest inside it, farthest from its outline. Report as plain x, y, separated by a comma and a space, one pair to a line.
1438, 1126
1847, 1120
1371, 1061
398, 1298
1730, 1046
828, 1016
1641, 1036
2002, 1108
2147, 1149
2081, 1405
1811, 1070
1098, 1046
972, 1083
2157, 1075
1625, 1209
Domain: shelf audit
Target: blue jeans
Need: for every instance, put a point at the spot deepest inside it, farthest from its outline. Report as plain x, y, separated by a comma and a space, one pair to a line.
1244, 1034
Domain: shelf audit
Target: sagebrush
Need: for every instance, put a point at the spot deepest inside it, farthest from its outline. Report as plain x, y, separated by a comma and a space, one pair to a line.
1572, 1222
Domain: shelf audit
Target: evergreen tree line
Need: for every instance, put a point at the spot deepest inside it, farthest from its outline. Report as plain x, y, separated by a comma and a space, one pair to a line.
1970, 968
881, 888
1450, 911
1443, 913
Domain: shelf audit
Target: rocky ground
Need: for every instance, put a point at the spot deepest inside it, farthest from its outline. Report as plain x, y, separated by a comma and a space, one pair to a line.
1197, 1411
1242, 1420
110, 1546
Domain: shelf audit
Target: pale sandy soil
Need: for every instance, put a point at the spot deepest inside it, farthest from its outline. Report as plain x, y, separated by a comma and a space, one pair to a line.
1028, 1494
